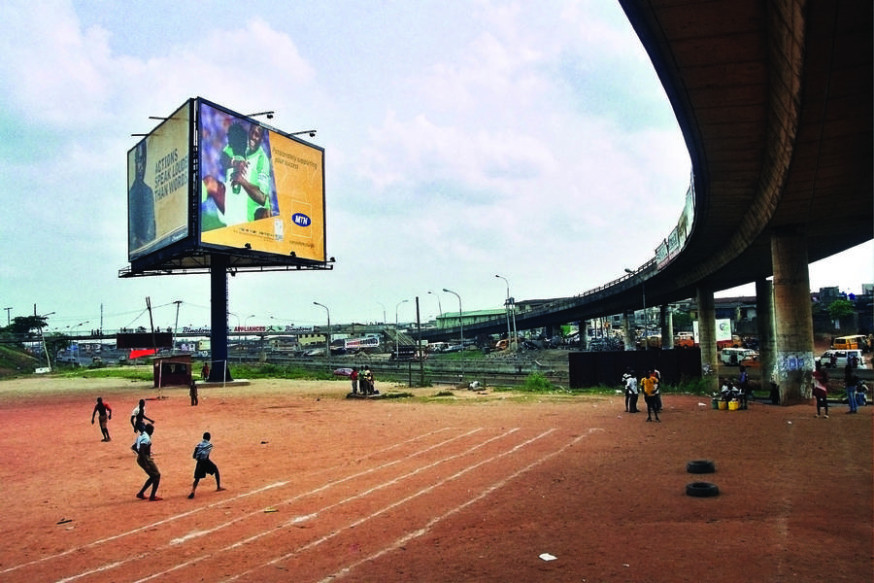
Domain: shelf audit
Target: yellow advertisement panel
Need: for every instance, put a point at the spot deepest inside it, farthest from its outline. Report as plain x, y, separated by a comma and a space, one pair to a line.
158, 186
260, 190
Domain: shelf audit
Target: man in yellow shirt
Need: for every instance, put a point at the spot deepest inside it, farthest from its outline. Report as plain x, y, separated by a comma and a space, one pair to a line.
650, 395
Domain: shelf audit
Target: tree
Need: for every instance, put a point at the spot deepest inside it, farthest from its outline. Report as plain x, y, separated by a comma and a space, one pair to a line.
56, 342
840, 308
682, 320
27, 324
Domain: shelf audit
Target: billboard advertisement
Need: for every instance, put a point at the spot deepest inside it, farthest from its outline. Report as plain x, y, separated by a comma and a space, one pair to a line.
261, 190
158, 170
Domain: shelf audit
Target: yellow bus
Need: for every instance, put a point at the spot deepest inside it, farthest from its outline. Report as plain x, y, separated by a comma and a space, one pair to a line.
854, 342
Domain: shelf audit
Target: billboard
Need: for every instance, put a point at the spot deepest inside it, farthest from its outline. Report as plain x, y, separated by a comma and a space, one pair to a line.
209, 186
261, 191
144, 340
158, 170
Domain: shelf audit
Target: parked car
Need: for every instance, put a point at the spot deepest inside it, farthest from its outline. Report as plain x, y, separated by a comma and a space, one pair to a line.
838, 358
734, 356
734, 342
853, 342
751, 361
684, 340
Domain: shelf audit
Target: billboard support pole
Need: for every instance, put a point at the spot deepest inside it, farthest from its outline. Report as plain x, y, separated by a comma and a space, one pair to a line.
218, 279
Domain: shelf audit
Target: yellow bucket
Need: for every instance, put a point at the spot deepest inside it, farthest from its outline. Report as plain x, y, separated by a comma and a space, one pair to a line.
733, 405
723, 405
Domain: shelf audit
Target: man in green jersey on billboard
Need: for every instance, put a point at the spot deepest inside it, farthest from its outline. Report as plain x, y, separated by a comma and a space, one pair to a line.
247, 171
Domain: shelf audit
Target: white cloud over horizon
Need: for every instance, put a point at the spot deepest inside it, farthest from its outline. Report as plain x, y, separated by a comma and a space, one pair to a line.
463, 139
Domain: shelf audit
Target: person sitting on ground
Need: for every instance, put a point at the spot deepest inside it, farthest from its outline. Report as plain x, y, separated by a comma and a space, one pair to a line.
861, 394
850, 382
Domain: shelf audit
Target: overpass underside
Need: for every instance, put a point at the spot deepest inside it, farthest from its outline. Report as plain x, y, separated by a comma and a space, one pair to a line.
774, 99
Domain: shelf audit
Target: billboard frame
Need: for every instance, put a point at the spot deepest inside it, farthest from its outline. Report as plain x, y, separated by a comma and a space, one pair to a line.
190, 255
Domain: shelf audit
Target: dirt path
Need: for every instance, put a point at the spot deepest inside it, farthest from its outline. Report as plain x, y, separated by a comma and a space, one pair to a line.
474, 488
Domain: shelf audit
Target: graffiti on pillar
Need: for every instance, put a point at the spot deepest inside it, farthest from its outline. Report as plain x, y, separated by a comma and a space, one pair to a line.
796, 367
707, 369
790, 362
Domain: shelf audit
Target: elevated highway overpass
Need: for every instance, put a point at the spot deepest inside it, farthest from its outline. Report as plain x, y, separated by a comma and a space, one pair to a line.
774, 100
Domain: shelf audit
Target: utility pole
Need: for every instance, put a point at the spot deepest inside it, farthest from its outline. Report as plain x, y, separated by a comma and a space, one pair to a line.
420, 350
175, 325
8, 321
151, 323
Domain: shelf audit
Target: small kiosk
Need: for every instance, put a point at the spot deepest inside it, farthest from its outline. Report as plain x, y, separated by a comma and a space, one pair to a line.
172, 371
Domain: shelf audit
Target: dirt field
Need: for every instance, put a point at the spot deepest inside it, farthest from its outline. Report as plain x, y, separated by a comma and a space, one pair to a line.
471, 488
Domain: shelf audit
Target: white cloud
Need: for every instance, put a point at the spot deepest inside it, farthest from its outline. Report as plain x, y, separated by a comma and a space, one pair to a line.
462, 140
51, 66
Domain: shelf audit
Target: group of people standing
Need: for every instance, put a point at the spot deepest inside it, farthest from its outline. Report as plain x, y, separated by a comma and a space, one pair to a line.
855, 389
648, 384
144, 428
363, 382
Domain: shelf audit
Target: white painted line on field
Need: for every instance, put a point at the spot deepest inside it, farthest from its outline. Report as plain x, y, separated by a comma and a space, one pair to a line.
197, 534
402, 501
178, 516
431, 523
139, 529
298, 519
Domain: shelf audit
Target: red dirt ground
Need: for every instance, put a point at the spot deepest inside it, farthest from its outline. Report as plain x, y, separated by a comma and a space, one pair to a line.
471, 488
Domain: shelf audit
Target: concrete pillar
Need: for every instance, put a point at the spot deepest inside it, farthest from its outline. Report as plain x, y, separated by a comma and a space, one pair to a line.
765, 330
794, 318
666, 322
628, 337
707, 339
584, 326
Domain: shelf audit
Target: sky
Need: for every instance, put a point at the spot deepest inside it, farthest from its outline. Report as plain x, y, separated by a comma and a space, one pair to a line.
463, 140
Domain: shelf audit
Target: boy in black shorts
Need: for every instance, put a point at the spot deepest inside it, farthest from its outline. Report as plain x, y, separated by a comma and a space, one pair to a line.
204, 464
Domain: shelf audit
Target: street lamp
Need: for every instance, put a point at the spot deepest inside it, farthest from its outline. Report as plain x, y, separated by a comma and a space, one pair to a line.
328, 335
397, 348
383, 312
460, 326
510, 305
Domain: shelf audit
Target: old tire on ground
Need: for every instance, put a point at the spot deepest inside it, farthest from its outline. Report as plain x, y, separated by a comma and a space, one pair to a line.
702, 489
700, 467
